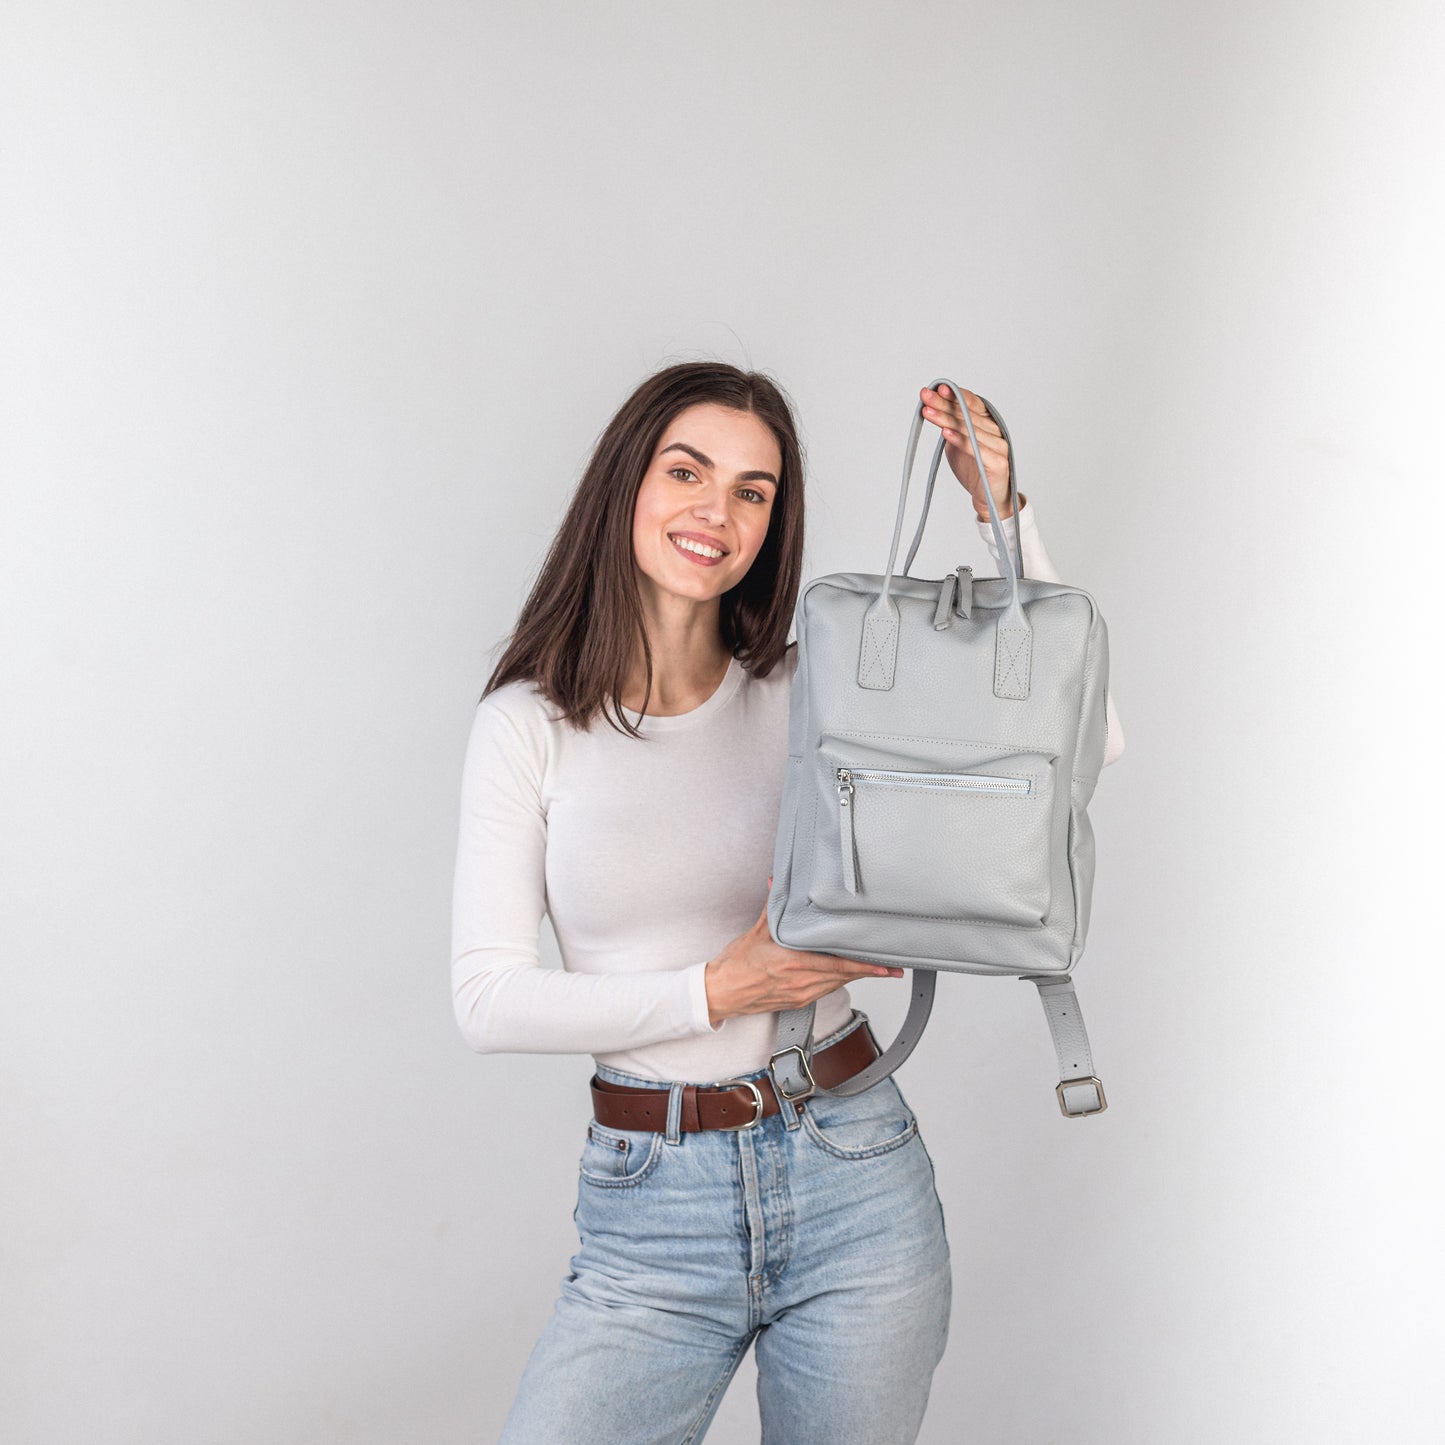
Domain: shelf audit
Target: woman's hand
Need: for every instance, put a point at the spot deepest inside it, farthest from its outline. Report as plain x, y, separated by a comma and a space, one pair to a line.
755, 975
942, 408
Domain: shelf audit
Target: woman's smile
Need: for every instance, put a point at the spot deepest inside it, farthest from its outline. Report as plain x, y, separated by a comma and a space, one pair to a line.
706, 498
696, 551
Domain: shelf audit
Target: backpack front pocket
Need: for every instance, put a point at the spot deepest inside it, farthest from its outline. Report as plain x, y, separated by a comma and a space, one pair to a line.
966, 841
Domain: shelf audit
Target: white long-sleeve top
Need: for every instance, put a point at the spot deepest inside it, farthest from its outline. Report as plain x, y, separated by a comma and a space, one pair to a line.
649, 857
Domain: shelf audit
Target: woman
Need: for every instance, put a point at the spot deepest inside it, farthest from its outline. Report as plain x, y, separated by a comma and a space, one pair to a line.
623, 775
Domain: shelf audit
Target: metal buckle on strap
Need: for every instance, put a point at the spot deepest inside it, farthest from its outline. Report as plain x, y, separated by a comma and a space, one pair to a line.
758, 1104
802, 1064
1080, 1113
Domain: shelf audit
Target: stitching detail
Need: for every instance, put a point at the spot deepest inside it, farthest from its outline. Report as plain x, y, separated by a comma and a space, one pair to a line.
952, 742
878, 635
833, 913
871, 1151
1013, 654
723, 1380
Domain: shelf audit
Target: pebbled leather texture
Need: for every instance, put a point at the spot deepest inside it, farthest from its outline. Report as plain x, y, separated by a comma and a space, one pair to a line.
972, 711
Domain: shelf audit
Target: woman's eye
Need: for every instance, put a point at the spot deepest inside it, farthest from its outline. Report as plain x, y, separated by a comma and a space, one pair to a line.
691, 475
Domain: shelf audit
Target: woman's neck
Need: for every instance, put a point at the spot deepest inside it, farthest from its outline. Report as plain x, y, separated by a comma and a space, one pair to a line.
682, 679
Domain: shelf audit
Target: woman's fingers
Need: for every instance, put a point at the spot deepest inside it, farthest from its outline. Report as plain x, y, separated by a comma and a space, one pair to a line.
988, 470
941, 408
834, 963
855, 969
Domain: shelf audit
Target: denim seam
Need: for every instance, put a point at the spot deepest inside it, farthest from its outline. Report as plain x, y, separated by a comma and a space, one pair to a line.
784, 1196
886, 1147
723, 1380
627, 1181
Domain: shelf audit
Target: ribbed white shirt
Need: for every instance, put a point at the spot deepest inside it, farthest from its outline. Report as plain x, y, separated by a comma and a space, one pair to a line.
648, 856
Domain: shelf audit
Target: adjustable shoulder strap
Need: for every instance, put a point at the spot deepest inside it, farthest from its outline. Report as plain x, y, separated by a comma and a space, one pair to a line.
1080, 1092
792, 1075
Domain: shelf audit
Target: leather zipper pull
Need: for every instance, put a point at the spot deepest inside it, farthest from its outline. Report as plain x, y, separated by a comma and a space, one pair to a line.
943, 613
845, 830
963, 598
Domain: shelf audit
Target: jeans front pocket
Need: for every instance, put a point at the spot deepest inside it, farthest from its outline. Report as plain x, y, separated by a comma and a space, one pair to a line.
862, 1126
619, 1158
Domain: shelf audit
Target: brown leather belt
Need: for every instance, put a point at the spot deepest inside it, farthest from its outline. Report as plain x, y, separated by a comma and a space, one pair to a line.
726, 1106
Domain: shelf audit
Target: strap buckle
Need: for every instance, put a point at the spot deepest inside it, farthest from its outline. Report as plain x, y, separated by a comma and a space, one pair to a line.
1069, 1113
803, 1067
758, 1104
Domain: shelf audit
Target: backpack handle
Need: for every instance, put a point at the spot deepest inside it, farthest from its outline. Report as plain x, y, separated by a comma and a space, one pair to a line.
993, 517
1014, 638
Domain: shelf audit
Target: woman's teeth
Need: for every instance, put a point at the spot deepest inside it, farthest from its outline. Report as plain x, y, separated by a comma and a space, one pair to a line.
696, 547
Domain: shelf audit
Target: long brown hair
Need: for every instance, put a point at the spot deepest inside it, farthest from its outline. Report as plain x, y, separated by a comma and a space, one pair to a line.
578, 630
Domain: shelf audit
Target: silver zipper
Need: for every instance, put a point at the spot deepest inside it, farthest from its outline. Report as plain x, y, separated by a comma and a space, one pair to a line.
968, 782
960, 782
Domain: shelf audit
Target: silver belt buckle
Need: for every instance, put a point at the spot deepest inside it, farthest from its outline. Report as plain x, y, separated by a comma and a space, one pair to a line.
758, 1105
1080, 1113
802, 1064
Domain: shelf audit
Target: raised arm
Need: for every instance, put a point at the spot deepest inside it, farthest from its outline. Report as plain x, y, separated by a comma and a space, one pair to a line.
982, 477
505, 1001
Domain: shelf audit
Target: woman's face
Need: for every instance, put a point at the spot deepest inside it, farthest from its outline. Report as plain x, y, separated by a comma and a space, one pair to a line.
712, 482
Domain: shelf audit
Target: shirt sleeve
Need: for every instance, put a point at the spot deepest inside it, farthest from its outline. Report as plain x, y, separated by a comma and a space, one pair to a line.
1038, 563
505, 1000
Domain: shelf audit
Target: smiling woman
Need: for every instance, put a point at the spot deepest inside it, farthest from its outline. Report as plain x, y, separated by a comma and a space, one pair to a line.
667, 597
624, 617
696, 532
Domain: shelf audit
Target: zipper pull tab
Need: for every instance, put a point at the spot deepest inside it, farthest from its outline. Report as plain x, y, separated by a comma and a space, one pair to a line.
963, 596
943, 612
845, 829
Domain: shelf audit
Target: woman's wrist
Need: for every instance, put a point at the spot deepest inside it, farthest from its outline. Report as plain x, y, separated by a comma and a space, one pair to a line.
715, 1014
1003, 516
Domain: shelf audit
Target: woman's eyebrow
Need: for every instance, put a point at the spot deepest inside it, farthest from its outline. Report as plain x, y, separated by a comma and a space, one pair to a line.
697, 456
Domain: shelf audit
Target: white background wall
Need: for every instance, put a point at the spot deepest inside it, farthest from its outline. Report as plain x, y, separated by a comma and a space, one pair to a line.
312, 313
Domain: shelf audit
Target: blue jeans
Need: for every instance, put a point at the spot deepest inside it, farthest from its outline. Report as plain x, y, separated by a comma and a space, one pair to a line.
819, 1236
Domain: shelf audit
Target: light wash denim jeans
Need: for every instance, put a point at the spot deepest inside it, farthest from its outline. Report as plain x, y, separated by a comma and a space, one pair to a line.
819, 1236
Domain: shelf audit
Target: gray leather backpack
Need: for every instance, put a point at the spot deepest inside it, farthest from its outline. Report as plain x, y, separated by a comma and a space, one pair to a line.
945, 736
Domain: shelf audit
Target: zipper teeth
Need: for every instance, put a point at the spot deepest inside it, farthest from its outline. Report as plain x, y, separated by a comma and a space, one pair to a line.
969, 782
